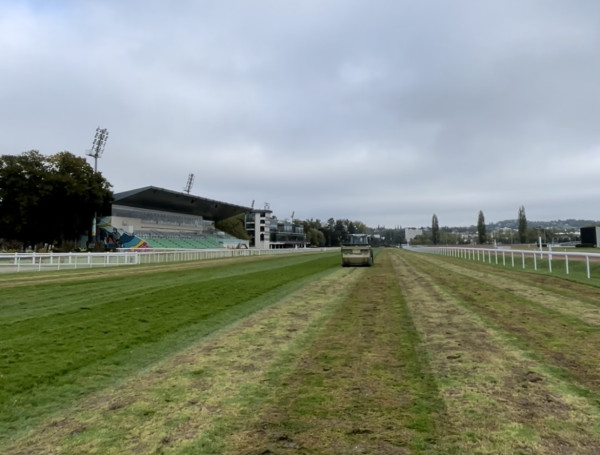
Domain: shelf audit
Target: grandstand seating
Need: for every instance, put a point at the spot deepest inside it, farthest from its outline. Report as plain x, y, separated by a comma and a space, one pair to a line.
158, 239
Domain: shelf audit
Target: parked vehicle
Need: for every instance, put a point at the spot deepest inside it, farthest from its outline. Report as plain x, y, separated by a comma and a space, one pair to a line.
357, 251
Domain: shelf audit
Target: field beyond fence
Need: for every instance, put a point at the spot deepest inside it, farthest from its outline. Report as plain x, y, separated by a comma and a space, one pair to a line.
294, 354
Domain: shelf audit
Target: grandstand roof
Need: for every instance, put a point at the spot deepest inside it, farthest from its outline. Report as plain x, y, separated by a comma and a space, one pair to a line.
153, 198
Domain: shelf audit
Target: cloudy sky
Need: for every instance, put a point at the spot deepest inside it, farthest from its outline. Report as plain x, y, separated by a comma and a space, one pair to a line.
385, 112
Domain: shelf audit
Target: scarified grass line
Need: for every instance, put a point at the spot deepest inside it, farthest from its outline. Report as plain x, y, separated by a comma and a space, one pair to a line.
562, 342
516, 402
578, 302
361, 385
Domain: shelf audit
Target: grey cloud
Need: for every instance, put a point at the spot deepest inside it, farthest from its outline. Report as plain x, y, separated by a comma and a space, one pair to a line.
385, 112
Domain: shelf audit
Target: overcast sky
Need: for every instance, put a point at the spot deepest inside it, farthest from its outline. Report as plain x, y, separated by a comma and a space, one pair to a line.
384, 112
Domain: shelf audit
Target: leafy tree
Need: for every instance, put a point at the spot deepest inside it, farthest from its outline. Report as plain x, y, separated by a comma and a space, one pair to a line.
522, 225
339, 232
481, 235
435, 230
351, 228
360, 227
47, 199
421, 239
314, 234
315, 237
332, 233
380, 236
447, 236
234, 225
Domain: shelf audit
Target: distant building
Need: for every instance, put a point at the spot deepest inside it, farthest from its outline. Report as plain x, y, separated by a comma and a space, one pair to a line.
287, 234
411, 233
258, 227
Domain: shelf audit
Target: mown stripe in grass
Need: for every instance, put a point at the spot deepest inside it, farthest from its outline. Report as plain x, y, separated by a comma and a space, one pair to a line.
190, 402
585, 291
568, 298
59, 353
539, 267
361, 385
564, 342
498, 400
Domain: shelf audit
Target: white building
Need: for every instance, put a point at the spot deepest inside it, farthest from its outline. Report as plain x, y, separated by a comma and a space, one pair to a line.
411, 233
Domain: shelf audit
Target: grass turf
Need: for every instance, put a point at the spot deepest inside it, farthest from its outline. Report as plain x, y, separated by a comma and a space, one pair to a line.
61, 340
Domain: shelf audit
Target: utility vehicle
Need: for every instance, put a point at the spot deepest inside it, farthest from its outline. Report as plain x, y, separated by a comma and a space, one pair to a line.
357, 251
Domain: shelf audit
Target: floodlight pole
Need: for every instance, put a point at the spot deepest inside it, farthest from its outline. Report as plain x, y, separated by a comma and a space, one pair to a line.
98, 146
189, 184
96, 152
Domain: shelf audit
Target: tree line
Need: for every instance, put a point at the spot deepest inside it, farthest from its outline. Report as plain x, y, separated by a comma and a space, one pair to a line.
332, 232
49, 199
448, 236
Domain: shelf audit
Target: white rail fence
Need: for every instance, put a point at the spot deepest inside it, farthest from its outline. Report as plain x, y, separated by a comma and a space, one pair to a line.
519, 258
21, 262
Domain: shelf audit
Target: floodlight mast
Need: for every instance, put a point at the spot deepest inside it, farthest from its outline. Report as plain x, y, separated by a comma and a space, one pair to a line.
189, 184
98, 145
96, 152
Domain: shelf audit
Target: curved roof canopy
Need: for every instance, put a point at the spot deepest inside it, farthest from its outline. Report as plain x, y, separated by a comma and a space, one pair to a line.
154, 198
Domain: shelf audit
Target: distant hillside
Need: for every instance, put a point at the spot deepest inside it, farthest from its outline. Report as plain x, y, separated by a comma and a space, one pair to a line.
557, 224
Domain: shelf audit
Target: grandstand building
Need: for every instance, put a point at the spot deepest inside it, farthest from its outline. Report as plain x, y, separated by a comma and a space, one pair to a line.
152, 217
286, 234
258, 227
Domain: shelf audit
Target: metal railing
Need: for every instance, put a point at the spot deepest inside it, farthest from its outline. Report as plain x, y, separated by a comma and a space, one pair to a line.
21, 262
536, 259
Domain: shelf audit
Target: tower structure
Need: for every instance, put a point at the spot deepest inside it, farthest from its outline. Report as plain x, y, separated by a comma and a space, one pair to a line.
96, 152
189, 184
98, 145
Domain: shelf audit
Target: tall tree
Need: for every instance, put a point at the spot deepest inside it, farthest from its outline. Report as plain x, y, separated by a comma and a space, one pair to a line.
315, 237
339, 232
360, 227
435, 230
49, 198
481, 234
522, 224
352, 228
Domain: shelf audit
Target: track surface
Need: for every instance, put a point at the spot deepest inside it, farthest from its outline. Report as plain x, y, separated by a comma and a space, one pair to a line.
418, 354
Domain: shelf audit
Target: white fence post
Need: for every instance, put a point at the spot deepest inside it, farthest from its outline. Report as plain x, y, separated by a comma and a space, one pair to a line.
587, 265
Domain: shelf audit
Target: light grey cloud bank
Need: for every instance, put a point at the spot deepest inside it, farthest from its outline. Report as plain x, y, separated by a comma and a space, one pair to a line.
385, 112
